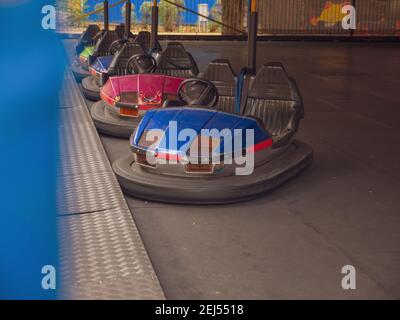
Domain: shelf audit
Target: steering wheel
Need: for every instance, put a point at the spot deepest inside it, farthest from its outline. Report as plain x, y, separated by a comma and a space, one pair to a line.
141, 63
116, 46
198, 92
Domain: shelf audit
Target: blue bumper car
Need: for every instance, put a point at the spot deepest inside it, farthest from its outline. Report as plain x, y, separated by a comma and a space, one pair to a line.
218, 146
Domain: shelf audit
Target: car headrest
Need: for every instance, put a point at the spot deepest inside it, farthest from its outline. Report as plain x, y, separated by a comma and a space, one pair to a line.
120, 30
272, 82
103, 44
143, 36
88, 37
144, 39
221, 74
175, 57
174, 49
132, 48
128, 50
90, 32
93, 27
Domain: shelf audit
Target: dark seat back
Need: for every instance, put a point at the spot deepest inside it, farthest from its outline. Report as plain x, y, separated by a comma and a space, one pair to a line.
274, 98
144, 39
176, 61
120, 30
104, 43
221, 74
120, 60
91, 31
87, 37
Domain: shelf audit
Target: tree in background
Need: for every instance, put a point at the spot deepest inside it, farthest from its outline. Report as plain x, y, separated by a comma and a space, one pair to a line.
133, 13
70, 10
233, 13
170, 15
145, 12
99, 15
216, 14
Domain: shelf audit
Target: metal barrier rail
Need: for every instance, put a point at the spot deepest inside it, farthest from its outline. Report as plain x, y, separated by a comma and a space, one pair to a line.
323, 17
276, 17
378, 17
205, 17
88, 14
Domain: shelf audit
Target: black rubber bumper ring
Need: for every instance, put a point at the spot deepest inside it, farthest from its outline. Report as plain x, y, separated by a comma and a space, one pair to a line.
108, 121
145, 184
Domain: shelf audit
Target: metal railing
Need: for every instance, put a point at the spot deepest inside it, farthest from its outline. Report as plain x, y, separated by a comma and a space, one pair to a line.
378, 17
297, 17
276, 17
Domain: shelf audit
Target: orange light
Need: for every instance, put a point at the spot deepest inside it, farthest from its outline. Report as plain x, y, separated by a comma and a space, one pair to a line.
253, 5
129, 112
199, 168
94, 73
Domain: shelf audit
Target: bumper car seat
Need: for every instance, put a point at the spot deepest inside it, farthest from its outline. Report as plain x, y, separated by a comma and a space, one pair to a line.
272, 106
118, 67
275, 100
87, 38
221, 74
144, 39
102, 48
177, 62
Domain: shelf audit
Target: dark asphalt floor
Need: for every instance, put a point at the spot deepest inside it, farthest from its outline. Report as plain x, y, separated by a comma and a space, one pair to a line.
344, 210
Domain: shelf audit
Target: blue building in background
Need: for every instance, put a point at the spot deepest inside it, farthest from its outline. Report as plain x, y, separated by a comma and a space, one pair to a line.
116, 15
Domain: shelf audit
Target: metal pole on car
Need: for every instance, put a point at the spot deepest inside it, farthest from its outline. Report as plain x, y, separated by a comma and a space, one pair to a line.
105, 4
252, 37
154, 24
128, 17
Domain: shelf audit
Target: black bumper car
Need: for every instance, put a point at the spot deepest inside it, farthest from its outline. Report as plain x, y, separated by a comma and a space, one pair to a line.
125, 99
144, 39
117, 64
228, 153
102, 47
106, 66
88, 38
176, 61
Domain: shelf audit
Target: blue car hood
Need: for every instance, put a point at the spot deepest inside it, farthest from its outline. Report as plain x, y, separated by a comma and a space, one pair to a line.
102, 64
172, 122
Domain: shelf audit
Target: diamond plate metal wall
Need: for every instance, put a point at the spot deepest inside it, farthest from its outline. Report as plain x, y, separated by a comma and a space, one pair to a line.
101, 253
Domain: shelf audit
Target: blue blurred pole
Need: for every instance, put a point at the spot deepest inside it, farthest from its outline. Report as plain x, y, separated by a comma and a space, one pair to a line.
31, 66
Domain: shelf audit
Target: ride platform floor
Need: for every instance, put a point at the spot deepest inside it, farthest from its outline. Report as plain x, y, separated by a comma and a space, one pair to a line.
344, 210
